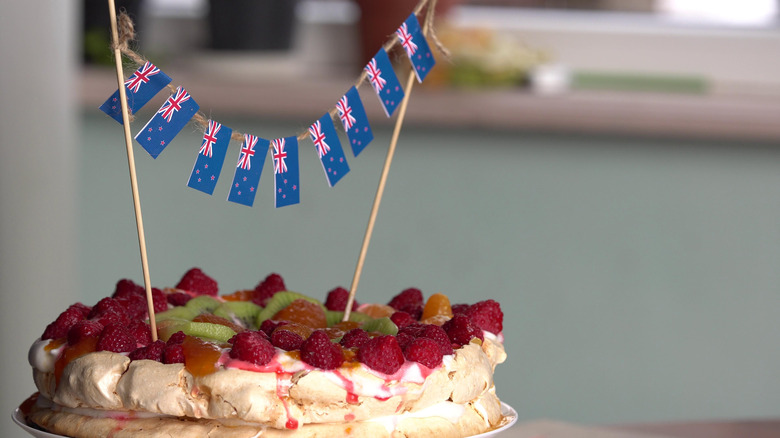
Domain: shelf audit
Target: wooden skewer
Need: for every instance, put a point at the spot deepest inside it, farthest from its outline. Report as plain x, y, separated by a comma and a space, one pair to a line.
379, 192
139, 222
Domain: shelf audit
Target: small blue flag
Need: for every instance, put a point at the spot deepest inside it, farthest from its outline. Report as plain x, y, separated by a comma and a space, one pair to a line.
286, 181
166, 124
248, 170
353, 117
385, 82
211, 156
416, 46
141, 87
326, 141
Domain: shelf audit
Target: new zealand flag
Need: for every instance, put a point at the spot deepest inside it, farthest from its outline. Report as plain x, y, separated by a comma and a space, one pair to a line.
326, 141
416, 47
384, 81
286, 182
250, 165
353, 117
211, 156
140, 88
166, 124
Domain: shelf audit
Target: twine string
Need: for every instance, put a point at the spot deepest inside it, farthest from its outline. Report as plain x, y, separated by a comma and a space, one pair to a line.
126, 30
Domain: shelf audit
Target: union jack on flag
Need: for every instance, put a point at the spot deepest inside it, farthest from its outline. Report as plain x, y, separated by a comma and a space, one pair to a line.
287, 177
416, 47
141, 76
280, 156
385, 82
211, 157
315, 130
332, 159
247, 152
345, 113
244, 186
173, 104
375, 76
167, 122
140, 88
353, 117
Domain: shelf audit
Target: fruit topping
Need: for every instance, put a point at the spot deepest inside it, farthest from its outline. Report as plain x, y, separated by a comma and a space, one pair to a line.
203, 304
438, 335
290, 336
354, 338
382, 354
269, 325
461, 330
67, 319
198, 283
380, 325
109, 310
337, 300
437, 305
252, 347
375, 310
243, 313
153, 351
410, 301
487, 315
402, 319
405, 339
200, 357
125, 287
176, 338
318, 351
294, 307
214, 319
71, 353
424, 351
173, 354
335, 316
84, 329
178, 298
206, 330
240, 295
134, 304
267, 288
141, 332
115, 337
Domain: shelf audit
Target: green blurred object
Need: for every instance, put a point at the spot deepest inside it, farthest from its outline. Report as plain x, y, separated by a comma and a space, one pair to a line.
586, 80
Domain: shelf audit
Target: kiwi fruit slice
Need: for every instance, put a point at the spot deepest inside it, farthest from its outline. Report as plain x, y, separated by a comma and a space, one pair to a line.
181, 312
243, 313
335, 316
206, 330
203, 304
381, 325
279, 301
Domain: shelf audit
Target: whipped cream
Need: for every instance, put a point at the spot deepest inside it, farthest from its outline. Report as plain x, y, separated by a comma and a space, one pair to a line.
43, 360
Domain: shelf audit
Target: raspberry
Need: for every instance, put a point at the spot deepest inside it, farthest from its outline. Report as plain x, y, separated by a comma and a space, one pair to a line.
459, 308
487, 315
405, 339
337, 300
438, 335
127, 287
409, 301
198, 283
402, 319
82, 309
460, 330
159, 300
153, 351
268, 326
252, 347
178, 298
176, 338
84, 329
382, 354
319, 352
108, 310
134, 305
141, 332
354, 338
424, 351
286, 340
115, 337
174, 353
414, 329
67, 319
266, 289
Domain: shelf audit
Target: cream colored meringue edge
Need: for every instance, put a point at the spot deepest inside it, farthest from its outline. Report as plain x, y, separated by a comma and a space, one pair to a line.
110, 381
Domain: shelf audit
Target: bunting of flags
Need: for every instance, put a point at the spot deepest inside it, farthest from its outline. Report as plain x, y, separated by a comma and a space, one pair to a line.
181, 107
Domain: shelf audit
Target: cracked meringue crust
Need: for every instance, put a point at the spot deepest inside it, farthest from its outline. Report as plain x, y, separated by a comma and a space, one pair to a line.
105, 391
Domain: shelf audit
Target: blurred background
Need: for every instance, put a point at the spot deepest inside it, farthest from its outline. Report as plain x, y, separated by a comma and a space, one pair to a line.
608, 170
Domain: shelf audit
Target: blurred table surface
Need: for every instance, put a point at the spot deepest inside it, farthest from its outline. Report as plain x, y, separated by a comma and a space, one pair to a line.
763, 428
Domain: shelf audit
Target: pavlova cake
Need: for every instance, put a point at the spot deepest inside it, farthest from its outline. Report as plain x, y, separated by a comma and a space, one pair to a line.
267, 362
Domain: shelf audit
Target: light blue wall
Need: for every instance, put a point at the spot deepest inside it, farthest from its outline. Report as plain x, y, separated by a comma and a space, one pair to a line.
639, 277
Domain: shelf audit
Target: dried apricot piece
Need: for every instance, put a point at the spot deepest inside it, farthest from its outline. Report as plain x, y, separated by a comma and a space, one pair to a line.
303, 312
437, 304
200, 357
